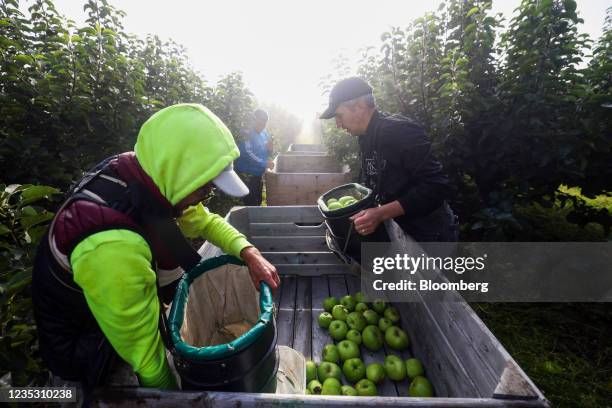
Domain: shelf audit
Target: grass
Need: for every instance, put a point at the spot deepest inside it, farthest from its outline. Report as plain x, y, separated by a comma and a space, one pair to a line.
565, 348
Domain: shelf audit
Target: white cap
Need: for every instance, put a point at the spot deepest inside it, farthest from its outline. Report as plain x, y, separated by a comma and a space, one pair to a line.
229, 182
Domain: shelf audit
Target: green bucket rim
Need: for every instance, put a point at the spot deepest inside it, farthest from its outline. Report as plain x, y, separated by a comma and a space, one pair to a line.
175, 320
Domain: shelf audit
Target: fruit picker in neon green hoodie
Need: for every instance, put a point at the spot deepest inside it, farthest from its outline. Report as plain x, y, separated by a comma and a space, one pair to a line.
185, 149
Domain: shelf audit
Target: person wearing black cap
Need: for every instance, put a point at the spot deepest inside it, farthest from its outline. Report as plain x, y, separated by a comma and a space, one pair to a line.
397, 163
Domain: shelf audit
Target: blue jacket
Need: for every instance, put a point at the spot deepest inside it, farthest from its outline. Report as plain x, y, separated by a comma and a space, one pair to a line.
253, 154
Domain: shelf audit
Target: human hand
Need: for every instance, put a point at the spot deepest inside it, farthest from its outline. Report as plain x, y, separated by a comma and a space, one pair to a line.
259, 268
270, 164
366, 221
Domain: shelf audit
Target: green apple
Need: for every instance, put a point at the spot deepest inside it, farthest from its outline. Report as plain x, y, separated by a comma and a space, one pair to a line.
420, 387
372, 338
349, 391
339, 312
331, 200
394, 368
329, 303
355, 320
331, 353
366, 388
315, 387
348, 302
345, 199
348, 349
338, 330
375, 372
334, 206
361, 307
354, 369
360, 297
307, 392
371, 316
379, 306
354, 336
350, 202
414, 368
396, 338
327, 370
392, 314
325, 319
311, 371
331, 386
384, 324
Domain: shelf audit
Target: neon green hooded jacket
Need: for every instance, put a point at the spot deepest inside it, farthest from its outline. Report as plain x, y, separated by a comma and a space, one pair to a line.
181, 148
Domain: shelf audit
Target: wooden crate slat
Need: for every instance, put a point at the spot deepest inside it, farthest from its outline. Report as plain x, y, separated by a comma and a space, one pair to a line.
312, 270
151, 397
290, 244
429, 345
320, 336
286, 314
302, 337
286, 229
301, 258
289, 213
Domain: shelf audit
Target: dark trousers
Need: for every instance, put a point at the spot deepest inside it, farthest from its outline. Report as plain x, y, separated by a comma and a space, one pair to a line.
255, 185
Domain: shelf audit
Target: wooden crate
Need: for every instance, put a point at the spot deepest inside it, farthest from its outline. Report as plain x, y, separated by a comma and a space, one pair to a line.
462, 358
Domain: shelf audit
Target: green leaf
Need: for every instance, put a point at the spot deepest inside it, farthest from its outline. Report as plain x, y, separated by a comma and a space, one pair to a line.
30, 221
35, 193
18, 282
472, 11
4, 229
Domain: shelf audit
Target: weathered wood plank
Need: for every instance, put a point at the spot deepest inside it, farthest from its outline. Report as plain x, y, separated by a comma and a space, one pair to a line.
302, 337
299, 258
277, 295
286, 229
472, 345
476, 348
290, 244
337, 286
286, 313
150, 397
320, 336
313, 270
238, 217
436, 351
286, 213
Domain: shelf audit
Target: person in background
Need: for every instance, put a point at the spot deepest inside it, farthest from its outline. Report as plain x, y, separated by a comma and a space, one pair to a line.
255, 150
397, 163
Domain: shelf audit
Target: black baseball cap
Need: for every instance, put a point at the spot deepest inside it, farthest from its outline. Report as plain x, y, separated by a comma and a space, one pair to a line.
345, 90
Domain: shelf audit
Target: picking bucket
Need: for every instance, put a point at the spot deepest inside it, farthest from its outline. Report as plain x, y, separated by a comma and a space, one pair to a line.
340, 226
223, 332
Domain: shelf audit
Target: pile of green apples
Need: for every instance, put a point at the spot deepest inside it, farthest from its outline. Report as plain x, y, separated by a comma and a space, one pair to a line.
352, 322
335, 204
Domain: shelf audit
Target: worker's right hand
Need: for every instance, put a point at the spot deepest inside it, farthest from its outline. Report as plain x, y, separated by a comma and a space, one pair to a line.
259, 268
270, 164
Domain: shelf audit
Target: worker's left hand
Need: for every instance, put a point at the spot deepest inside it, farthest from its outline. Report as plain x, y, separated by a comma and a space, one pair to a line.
366, 221
259, 268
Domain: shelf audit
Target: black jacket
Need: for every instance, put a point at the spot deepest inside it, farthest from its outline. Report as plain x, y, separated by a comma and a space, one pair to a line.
409, 171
